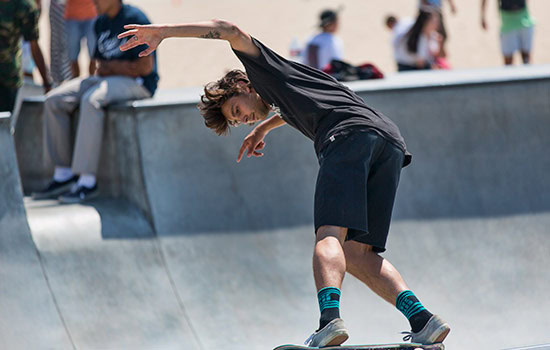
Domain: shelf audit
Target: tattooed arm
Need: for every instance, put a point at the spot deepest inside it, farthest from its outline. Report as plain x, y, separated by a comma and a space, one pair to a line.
153, 34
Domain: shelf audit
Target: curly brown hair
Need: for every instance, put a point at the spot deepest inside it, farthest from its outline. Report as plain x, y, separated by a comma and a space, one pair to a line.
215, 95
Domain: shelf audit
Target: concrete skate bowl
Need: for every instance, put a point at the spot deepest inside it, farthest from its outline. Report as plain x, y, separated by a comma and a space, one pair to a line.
221, 253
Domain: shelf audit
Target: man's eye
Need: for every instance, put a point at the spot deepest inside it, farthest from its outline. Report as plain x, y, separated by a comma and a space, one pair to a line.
237, 111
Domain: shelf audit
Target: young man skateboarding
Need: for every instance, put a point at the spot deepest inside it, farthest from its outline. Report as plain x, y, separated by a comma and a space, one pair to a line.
360, 152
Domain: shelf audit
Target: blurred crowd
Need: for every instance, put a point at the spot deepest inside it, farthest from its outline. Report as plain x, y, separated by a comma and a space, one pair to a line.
419, 41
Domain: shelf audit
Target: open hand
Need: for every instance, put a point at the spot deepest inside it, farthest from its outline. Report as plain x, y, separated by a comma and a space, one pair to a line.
139, 35
252, 143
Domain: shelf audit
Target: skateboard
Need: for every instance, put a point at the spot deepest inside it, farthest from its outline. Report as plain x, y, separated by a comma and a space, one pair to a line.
400, 346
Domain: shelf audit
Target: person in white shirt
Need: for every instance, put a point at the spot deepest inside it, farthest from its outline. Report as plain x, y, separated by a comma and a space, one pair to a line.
399, 27
325, 46
418, 46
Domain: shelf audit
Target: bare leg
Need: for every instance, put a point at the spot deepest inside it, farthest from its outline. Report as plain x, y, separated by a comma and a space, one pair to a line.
92, 67
75, 69
373, 270
508, 60
329, 262
526, 57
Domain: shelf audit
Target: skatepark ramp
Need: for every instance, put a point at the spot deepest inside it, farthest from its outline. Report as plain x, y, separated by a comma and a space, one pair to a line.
203, 253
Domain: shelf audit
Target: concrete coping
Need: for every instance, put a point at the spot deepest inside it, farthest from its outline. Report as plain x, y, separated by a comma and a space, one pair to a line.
397, 81
5, 119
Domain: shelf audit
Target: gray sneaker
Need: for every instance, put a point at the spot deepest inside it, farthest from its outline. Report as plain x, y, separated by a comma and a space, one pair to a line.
435, 331
334, 333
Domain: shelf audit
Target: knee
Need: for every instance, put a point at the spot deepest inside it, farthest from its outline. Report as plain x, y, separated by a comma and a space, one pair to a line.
328, 249
92, 99
53, 100
326, 232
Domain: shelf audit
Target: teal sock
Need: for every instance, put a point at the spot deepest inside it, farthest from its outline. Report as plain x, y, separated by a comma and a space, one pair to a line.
413, 310
329, 304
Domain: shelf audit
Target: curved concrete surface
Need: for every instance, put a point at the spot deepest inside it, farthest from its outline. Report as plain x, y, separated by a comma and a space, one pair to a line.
29, 316
226, 260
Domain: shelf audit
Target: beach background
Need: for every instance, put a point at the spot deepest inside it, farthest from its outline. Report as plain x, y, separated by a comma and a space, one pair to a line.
193, 62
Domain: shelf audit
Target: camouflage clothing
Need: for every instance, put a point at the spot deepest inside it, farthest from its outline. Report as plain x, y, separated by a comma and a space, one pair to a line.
18, 18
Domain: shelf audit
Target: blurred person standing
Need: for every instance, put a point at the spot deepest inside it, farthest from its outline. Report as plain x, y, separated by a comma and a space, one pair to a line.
120, 76
398, 27
60, 65
438, 6
79, 23
516, 30
18, 18
325, 46
418, 47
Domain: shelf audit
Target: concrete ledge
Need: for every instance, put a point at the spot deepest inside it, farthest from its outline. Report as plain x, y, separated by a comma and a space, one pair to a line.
120, 171
398, 81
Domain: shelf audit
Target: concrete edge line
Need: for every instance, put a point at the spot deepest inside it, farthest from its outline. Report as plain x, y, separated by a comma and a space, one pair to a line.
6, 116
177, 295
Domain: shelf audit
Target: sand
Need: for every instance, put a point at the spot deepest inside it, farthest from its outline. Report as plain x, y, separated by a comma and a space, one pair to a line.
193, 62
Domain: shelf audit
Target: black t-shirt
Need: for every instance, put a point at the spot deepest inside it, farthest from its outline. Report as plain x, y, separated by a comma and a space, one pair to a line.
108, 45
512, 5
313, 102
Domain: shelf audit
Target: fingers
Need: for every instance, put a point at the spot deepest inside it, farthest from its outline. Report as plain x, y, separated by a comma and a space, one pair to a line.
146, 52
241, 151
130, 44
127, 33
251, 149
131, 26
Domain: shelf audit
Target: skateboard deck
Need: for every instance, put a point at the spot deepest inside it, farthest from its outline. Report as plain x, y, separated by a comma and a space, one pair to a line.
400, 346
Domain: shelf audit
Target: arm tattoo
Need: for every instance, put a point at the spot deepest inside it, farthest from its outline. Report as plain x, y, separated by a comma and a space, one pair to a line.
213, 34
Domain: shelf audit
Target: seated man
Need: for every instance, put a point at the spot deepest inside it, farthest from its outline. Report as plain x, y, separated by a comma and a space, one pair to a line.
119, 76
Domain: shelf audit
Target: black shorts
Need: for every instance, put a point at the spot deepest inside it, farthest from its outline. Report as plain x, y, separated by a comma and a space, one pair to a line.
356, 186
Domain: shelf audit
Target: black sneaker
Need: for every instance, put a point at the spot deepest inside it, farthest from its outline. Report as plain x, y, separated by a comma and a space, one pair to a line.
79, 194
55, 189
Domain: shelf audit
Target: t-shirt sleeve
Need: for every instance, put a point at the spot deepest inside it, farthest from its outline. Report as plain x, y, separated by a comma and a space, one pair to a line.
28, 17
267, 62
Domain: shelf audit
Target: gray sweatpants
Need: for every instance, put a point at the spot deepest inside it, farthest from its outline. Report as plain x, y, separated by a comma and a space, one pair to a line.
92, 95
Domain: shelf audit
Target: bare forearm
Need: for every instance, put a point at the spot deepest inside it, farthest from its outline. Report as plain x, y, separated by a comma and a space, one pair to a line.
271, 123
153, 34
40, 64
215, 29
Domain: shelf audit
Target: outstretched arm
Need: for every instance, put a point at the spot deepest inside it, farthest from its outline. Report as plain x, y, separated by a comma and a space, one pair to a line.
153, 34
38, 58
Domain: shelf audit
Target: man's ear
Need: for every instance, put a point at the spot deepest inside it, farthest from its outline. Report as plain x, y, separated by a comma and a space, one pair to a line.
244, 86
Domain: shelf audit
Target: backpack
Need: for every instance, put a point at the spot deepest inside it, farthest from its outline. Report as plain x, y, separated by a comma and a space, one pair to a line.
343, 71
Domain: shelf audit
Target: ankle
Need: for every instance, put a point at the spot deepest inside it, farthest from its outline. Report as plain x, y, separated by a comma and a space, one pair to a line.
329, 304
62, 174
